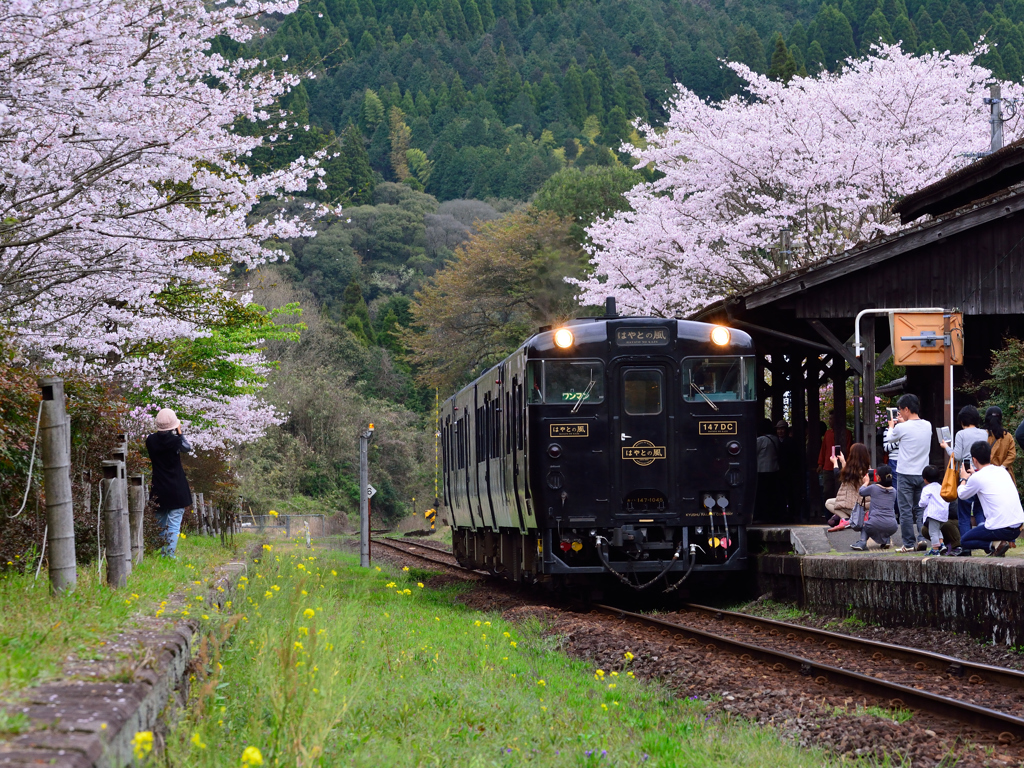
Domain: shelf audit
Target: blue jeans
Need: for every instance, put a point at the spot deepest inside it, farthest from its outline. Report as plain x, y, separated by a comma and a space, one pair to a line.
979, 537
170, 526
908, 495
963, 514
895, 477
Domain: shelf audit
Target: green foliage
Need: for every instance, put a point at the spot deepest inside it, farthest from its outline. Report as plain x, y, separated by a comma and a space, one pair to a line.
583, 196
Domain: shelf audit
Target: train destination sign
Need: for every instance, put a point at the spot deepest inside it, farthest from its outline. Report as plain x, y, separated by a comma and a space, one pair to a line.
643, 452
636, 337
717, 428
569, 430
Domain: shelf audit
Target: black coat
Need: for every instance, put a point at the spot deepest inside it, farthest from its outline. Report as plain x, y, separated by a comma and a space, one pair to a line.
170, 488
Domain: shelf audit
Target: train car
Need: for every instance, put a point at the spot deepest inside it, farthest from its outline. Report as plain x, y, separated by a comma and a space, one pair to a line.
609, 447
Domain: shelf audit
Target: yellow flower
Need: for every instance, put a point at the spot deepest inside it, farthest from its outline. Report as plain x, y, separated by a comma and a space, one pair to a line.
390, 585
275, 587
513, 644
241, 586
268, 547
376, 567
335, 573
630, 674
419, 584
268, 593
611, 685
181, 535
309, 613
628, 656
251, 756
272, 514
197, 741
304, 631
300, 566
408, 592
541, 683
142, 744
506, 634
205, 617
297, 646
604, 707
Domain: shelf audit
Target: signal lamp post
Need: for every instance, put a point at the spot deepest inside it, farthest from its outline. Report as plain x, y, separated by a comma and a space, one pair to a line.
364, 497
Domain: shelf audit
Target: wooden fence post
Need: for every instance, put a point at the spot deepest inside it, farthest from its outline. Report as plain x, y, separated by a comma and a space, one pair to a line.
201, 513
136, 508
54, 433
117, 573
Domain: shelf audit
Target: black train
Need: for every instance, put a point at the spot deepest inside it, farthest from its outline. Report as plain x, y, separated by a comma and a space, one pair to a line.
613, 444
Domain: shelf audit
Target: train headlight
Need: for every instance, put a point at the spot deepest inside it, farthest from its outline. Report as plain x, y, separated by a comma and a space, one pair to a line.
720, 335
563, 338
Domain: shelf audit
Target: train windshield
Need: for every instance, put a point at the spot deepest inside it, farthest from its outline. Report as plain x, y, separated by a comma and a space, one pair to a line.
719, 379
565, 382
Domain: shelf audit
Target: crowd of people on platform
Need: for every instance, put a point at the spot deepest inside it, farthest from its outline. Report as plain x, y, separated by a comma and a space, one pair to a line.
911, 495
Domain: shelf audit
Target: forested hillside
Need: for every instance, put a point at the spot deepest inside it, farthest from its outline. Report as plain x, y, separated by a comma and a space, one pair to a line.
488, 98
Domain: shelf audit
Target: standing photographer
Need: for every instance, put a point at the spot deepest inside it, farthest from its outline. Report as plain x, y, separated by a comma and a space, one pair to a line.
170, 489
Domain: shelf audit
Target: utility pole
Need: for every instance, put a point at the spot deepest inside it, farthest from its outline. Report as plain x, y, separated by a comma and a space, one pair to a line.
995, 101
55, 434
364, 497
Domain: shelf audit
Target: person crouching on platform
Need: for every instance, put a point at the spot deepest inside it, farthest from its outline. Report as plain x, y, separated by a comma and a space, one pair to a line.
849, 480
997, 492
170, 488
880, 522
943, 533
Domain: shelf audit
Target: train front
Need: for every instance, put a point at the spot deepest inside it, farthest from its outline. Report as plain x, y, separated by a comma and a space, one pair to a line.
642, 448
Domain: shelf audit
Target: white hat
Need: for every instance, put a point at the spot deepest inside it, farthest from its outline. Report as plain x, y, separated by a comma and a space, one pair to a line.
166, 420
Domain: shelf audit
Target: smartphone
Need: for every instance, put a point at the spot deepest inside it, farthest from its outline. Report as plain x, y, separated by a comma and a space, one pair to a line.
893, 413
833, 451
967, 465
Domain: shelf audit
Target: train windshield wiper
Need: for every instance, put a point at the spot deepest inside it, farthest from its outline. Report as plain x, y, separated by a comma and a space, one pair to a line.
586, 393
700, 392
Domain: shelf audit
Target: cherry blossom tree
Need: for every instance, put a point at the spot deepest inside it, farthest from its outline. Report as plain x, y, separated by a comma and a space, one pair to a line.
123, 181
823, 157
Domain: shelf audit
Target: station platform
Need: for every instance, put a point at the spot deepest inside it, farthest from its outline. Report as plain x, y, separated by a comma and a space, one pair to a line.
980, 596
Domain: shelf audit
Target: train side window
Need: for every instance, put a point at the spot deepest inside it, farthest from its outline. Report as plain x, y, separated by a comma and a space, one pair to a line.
713, 378
642, 392
749, 378
509, 421
520, 411
534, 382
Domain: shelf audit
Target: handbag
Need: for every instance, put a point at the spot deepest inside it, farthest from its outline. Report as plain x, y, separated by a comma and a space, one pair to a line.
859, 515
950, 482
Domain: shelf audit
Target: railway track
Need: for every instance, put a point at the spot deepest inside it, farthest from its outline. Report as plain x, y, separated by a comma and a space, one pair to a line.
437, 557
788, 649
985, 696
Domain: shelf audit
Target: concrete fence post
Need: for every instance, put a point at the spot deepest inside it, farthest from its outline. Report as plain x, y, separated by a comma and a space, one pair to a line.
110, 487
55, 434
136, 510
120, 454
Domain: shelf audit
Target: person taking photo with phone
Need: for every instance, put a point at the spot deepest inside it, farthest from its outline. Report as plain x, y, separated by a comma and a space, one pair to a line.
969, 434
169, 490
998, 495
913, 436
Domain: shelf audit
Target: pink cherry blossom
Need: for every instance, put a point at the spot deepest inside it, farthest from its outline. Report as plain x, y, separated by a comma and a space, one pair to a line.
121, 175
825, 157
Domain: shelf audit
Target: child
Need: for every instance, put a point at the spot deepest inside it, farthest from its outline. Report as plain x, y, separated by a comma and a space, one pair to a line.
936, 511
880, 523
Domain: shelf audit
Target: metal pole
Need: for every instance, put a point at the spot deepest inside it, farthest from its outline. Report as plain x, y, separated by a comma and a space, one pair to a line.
364, 498
110, 486
136, 507
56, 458
947, 369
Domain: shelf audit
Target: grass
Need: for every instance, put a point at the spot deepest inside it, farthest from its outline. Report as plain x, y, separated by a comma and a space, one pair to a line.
39, 632
330, 664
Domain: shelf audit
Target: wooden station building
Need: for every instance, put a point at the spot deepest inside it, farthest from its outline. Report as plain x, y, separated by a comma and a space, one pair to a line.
968, 256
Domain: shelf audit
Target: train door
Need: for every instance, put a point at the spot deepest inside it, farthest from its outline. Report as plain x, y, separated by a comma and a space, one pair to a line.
644, 405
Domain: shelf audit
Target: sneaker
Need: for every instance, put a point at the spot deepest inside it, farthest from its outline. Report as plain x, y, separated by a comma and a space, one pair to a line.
858, 547
943, 549
933, 552
839, 526
884, 545
961, 552
906, 549
921, 545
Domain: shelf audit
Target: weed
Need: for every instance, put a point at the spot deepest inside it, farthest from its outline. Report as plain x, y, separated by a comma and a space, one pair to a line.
369, 665
13, 723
